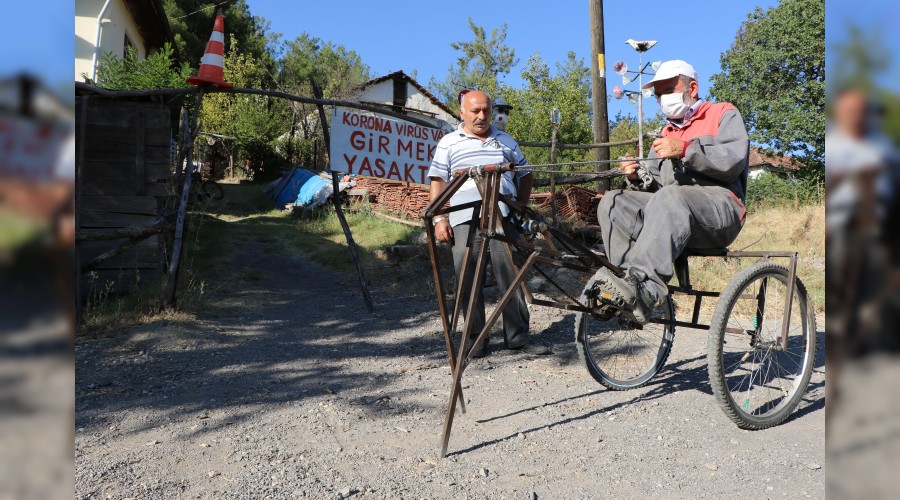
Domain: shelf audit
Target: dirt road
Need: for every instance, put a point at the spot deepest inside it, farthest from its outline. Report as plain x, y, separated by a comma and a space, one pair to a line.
287, 388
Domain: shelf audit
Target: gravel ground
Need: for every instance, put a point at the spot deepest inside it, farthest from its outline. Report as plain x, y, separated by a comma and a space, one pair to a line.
287, 388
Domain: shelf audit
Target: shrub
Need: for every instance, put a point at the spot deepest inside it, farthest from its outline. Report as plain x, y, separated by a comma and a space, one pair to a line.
770, 190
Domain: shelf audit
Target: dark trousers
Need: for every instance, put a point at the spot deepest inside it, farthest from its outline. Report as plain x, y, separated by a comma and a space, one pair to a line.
515, 314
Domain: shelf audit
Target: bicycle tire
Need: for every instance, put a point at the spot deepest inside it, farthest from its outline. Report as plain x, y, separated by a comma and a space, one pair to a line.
622, 359
746, 363
212, 190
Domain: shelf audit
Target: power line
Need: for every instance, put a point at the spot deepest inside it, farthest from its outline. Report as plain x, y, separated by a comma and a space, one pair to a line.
201, 10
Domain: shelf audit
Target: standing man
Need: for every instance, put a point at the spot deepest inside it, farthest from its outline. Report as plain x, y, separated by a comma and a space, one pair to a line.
699, 167
477, 142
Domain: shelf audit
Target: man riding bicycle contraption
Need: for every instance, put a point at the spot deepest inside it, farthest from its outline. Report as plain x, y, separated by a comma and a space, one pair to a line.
699, 166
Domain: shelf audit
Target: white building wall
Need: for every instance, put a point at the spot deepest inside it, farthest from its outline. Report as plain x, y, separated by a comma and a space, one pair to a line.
117, 22
383, 93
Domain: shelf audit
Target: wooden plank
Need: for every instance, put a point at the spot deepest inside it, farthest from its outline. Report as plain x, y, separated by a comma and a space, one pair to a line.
110, 219
104, 168
125, 204
120, 114
122, 152
156, 136
115, 233
144, 255
112, 188
123, 173
140, 152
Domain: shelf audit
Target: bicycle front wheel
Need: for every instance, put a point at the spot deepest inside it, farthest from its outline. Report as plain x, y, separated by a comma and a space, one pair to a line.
619, 354
758, 380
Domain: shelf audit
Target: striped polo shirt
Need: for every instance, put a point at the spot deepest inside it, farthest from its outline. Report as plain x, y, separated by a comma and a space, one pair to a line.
459, 149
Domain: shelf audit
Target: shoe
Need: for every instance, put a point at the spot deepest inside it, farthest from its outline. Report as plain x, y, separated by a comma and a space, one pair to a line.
629, 294
480, 353
531, 348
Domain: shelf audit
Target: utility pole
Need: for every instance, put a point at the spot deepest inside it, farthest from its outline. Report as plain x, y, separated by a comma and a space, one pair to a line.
598, 91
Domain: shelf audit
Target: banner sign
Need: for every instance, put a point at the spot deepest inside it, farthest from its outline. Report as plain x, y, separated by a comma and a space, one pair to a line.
30, 149
371, 144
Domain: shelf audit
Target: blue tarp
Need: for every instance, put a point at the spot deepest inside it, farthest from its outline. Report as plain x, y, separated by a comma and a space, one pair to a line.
298, 186
310, 189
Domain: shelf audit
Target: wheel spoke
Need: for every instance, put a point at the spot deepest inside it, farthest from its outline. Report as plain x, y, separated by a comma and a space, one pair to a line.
756, 382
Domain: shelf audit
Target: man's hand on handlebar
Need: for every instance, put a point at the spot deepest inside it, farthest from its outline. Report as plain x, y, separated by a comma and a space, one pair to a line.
629, 168
666, 147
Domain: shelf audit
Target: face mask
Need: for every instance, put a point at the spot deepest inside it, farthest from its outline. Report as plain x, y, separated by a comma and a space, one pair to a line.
500, 119
673, 105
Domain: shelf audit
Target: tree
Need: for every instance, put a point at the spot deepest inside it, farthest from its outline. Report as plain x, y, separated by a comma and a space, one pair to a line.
862, 57
774, 72
481, 65
192, 22
568, 90
335, 70
254, 121
156, 71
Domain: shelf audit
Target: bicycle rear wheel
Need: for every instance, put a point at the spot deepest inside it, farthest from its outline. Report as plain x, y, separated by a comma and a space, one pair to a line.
619, 354
757, 381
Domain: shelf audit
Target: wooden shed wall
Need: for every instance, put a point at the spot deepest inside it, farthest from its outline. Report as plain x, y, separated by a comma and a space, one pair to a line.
123, 180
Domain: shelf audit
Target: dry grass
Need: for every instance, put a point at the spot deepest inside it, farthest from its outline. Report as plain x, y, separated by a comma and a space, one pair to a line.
799, 229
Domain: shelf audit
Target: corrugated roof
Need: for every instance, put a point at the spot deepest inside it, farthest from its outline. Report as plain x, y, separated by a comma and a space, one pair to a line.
760, 157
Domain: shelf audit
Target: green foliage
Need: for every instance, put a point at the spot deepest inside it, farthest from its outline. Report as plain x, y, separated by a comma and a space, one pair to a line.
334, 68
483, 62
771, 190
860, 58
774, 72
568, 90
156, 71
254, 121
192, 23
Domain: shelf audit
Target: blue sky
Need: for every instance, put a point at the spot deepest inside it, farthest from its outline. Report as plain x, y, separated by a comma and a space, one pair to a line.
412, 36
876, 18
38, 37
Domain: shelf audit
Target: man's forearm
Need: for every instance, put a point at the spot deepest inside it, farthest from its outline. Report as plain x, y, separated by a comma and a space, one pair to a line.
437, 185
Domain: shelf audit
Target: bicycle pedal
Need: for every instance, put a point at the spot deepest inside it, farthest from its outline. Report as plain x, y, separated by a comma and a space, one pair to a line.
611, 299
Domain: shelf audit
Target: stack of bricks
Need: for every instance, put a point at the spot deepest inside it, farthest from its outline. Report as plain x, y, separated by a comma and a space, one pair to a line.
409, 200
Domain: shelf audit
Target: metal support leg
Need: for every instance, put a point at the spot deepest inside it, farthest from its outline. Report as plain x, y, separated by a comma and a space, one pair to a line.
442, 305
789, 300
464, 356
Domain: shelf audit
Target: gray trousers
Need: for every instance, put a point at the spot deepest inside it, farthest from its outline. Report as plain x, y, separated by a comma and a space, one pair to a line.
645, 232
515, 314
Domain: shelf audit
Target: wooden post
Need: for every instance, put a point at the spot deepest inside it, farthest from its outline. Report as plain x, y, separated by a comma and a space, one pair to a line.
553, 175
351, 245
336, 198
188, 134
598, 90
80, 140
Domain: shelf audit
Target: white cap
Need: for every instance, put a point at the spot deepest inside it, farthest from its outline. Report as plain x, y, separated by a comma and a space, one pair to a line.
671, 69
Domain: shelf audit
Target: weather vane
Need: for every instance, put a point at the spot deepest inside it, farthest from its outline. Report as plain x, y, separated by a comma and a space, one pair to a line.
621, 68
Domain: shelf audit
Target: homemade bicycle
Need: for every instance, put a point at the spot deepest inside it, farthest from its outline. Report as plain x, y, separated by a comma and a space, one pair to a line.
762, 335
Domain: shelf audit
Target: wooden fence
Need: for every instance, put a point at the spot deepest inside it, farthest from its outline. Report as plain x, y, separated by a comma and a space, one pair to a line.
124, 167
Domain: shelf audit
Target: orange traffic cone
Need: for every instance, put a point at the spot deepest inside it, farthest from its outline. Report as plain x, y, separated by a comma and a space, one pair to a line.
211, 66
